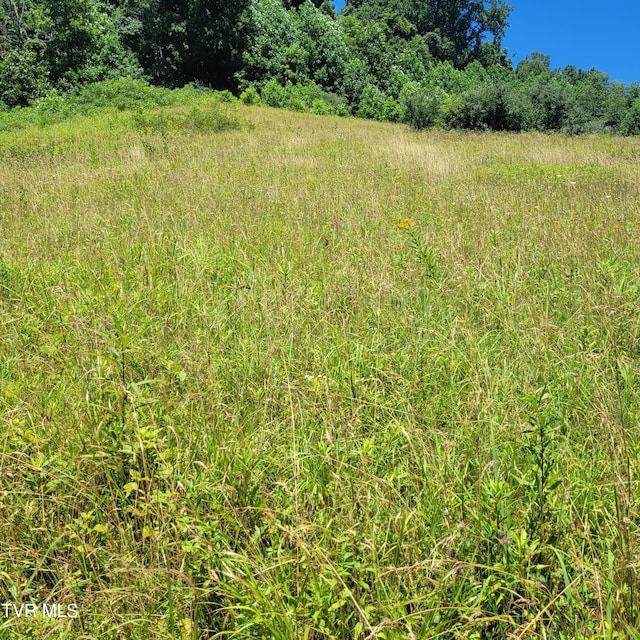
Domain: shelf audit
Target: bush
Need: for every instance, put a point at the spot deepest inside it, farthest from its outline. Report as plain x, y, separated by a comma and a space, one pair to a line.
356, 78
52, 103
296, 104
22, 78
630, 125
163, 121
310, 92
577, 120
123, 93
308, 97
549, 106
321, 108
392, 111
495, 106
420, 107
372, 103
250, 96
274, 94
224, 96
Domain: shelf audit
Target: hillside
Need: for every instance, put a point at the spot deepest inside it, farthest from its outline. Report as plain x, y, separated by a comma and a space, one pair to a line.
266, 374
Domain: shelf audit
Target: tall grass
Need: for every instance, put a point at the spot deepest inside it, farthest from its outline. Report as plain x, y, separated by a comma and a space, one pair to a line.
238, 400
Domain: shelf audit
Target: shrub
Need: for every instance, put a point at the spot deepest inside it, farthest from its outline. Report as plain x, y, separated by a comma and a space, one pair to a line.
420, 107
356, 78
495, 105
630, 125
225, 96
392, 111
296, 104
448, 109
122, 93
321, 108
310, 92
52, 103
163, 121
250, 96
372, 103
308, 97
274, 94
577, 120
549, 106
22, 78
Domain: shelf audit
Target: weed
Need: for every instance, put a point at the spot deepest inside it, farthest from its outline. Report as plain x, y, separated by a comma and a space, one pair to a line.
238, 401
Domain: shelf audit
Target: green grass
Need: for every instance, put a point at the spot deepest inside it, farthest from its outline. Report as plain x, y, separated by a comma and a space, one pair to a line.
238, 401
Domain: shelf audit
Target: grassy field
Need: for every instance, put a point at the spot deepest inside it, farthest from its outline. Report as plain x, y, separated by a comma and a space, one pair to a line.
272, 375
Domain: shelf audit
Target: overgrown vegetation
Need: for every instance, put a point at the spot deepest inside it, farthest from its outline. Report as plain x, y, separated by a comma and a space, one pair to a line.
303, 379
423, 63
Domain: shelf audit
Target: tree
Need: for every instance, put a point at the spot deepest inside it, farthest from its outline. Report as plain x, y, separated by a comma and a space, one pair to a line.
630, 125
324, 44
23, 73
534, 67
191, 41
14, 24
367, 42
82, 44
273, 51
454, 30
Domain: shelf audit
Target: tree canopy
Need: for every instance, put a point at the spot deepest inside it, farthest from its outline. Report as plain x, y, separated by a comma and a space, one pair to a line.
425, 62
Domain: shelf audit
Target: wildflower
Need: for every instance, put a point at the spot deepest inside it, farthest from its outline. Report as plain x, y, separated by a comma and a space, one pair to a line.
407, 223
504, 540
462, 524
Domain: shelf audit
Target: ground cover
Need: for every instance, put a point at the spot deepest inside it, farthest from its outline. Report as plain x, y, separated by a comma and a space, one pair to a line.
274, 375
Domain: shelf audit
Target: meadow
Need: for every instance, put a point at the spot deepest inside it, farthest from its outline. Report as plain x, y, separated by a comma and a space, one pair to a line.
271, 375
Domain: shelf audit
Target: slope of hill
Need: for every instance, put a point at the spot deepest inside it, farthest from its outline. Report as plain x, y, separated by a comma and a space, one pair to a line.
273, 375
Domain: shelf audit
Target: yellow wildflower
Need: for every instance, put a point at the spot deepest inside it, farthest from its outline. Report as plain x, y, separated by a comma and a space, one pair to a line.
407, 223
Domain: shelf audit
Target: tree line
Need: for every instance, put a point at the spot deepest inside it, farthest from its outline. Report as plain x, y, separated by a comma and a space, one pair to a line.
423, 62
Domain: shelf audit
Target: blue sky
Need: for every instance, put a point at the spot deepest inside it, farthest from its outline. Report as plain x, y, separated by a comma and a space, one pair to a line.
585, 33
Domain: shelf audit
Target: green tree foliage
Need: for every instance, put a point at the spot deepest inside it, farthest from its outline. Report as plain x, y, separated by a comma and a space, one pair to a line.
82, 43
324, 45
422, 62
309, 97
630, 125
58, 43
273, 51
303, 45
368, 44
420, 107
23, 74
372, 103
551, 103
15, 27
535, 67
193, 41
494, 105
454, 30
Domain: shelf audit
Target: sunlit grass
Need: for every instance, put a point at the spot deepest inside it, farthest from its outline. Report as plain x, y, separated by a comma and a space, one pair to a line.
318, 378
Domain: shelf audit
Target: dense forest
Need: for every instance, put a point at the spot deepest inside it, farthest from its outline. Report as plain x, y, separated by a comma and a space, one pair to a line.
423, 62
